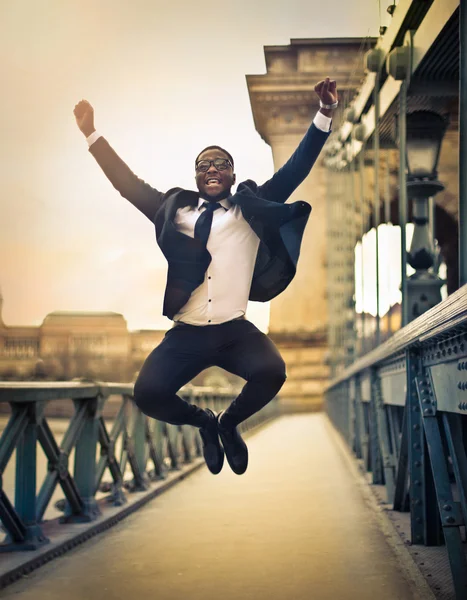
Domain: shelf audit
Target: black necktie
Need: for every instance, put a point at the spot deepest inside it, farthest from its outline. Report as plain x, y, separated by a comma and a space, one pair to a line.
204, 222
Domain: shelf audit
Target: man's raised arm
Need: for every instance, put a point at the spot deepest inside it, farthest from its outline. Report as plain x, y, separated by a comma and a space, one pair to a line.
146, 198
290, 176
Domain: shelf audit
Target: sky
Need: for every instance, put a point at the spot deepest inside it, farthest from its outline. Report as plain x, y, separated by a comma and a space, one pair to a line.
166, 79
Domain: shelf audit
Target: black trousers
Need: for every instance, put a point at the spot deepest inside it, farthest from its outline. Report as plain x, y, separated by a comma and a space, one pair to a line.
236, 346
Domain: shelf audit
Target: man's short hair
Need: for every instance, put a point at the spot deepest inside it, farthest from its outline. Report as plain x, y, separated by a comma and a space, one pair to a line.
215, 148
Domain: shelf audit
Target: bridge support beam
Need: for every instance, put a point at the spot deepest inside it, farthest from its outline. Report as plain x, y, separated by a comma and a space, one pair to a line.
26, 532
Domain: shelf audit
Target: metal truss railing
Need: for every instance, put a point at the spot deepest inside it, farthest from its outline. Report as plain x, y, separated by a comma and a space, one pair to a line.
402, 409
117, 455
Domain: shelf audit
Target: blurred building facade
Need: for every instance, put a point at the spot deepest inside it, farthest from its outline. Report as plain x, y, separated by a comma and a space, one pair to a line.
67, 345
86, 345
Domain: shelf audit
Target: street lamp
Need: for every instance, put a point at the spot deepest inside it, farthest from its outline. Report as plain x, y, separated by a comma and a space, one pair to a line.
425, 132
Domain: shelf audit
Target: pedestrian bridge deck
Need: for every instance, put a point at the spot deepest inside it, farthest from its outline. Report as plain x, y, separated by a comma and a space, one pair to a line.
295, 526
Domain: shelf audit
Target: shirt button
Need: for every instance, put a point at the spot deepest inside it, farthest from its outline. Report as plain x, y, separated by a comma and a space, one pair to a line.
209, 321
209, 278
209, 300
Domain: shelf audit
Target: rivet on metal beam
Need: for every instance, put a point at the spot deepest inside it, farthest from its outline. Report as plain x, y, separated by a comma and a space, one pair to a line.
450, 520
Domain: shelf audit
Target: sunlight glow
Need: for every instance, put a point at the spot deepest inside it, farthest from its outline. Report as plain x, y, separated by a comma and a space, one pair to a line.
389, 269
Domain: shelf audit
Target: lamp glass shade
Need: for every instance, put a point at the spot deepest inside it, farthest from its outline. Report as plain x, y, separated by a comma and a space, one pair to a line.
425, 132
422, 157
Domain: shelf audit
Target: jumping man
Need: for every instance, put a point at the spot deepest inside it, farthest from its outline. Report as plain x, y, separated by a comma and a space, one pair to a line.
222, 249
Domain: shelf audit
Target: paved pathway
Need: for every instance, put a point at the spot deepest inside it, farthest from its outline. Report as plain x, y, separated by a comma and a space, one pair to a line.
294, 527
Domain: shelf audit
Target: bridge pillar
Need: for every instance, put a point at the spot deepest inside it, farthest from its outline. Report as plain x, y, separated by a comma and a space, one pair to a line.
284, 104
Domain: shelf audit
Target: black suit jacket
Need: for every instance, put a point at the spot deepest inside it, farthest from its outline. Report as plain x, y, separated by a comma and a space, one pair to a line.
279, 226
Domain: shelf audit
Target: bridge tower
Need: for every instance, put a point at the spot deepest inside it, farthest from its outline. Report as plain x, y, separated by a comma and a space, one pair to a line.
284, 103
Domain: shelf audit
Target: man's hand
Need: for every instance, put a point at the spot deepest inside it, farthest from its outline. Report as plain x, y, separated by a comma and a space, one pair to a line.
327, 93
84, 114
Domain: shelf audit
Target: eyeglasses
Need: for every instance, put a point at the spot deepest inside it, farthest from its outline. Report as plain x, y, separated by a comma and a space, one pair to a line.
221, 164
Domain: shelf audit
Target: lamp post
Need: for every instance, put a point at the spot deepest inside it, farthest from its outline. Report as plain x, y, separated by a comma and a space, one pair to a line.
425, 132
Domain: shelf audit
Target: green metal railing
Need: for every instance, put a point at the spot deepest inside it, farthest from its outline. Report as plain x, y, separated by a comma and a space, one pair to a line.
114, 457
402, 409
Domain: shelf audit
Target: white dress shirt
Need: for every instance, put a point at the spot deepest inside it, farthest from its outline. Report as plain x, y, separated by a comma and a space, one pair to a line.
233, 246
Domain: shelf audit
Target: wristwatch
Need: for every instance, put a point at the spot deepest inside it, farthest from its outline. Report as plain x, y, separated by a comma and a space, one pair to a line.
329, 106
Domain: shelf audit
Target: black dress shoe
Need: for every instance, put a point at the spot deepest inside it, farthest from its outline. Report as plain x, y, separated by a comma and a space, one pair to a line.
212, 449
235, 448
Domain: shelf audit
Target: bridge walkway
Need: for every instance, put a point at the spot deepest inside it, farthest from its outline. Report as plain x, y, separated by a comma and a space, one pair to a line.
294, 527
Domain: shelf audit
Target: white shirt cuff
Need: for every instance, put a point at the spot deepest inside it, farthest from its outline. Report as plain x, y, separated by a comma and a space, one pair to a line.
322, 121
93, 137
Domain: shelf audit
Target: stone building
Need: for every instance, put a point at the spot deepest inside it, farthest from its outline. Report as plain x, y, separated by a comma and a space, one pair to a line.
86, 345
89, 345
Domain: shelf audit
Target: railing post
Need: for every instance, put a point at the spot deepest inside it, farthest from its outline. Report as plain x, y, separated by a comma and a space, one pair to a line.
157, 455
85, 457
25, 484
387, 457
139, 436
416, 452
188, 436
359, 418
376, 458
424, 520
443, 508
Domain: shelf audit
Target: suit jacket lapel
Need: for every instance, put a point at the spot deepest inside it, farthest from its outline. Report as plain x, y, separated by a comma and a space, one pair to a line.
180, 200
